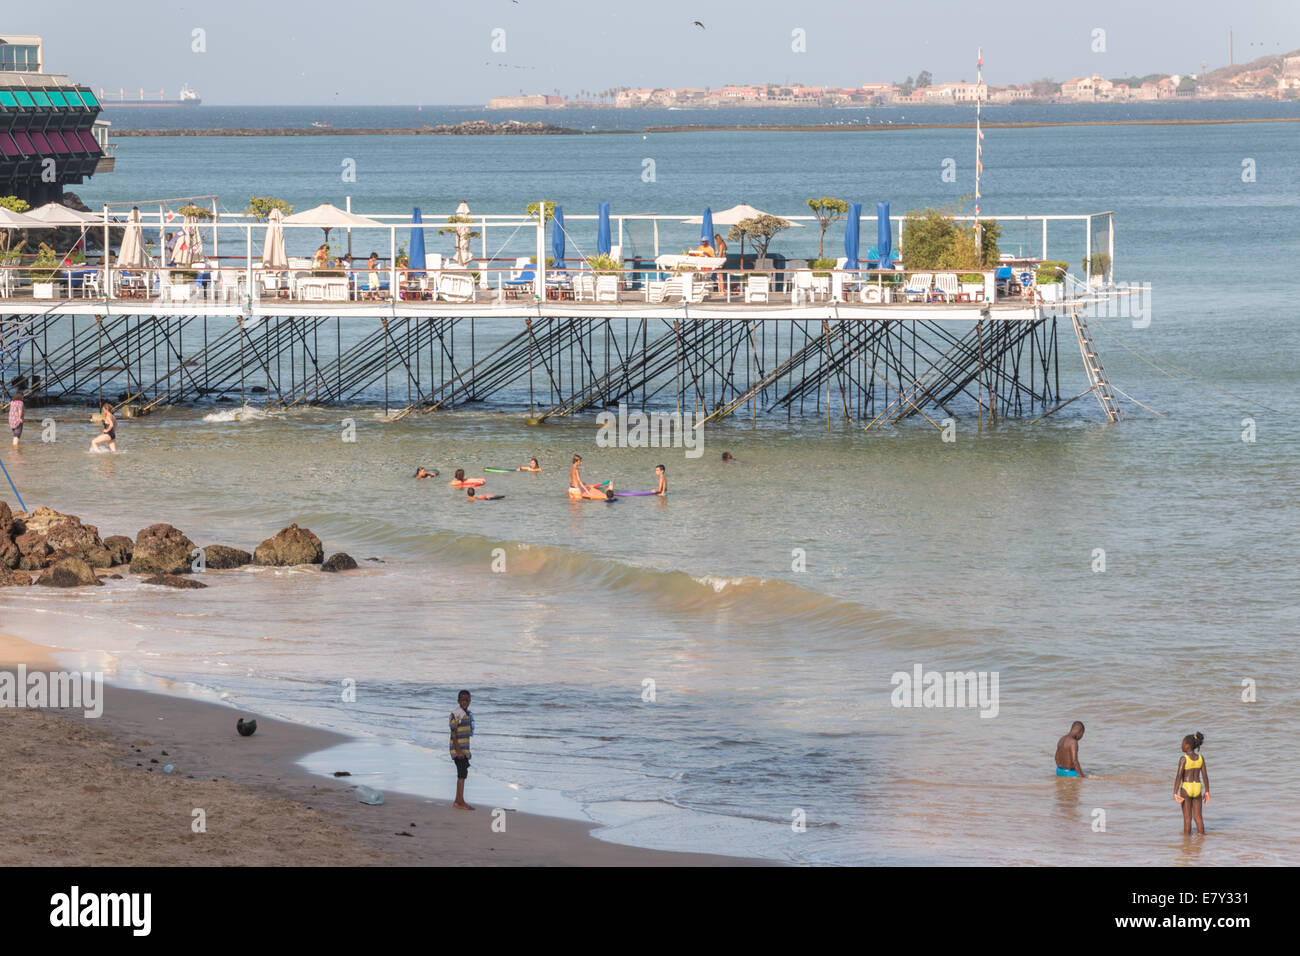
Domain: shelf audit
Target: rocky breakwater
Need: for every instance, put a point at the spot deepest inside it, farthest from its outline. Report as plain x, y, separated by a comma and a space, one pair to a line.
48, 548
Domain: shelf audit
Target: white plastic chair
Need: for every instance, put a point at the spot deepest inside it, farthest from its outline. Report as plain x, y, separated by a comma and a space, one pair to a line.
607, 288
584, 287
946, 284
918, 286
804, 287
456, 287
756, 288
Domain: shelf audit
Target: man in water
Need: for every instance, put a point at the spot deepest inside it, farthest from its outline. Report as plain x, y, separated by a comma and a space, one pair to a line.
575, 479
729, 457
662, 488
1067, 752
462, 728
422, 472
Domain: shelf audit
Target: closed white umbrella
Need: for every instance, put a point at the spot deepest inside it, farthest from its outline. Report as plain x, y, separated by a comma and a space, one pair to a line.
131, 253
462, 236
190, 247
273, 254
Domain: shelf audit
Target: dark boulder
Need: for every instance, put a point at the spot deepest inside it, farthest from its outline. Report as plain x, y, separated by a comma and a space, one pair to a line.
218, 557
339, 562
291, 546
174, 581
10, 578
80, 539
34, 551
68, 571
161, 549
119, 549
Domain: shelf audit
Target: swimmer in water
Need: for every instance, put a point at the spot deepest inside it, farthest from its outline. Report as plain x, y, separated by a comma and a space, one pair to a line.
575, 479
609, 494
423, 472
729, 457
1192, 783
1067, 752
531, 466
662, 488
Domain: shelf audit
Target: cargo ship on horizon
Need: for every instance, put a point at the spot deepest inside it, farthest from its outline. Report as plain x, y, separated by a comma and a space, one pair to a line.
188, 97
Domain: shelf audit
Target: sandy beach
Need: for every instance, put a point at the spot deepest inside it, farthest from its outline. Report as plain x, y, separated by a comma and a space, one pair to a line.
93, 792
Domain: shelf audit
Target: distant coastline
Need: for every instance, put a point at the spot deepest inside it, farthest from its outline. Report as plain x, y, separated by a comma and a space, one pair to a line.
545, 129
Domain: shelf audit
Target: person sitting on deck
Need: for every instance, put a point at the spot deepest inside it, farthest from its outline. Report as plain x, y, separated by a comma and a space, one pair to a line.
703, 249
322, 258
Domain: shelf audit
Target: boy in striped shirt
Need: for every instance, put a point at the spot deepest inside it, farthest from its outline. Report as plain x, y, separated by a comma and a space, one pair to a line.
462, 728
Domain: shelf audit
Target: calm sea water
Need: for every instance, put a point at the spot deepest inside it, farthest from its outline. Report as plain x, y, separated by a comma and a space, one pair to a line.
772, 685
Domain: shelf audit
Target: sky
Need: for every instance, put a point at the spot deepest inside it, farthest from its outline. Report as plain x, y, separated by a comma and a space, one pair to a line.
268, 52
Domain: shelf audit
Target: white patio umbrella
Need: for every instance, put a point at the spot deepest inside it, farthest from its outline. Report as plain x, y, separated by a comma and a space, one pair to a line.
729, 217
17, 220
130, 254
327, 217
462, 236
57, 214
273, 254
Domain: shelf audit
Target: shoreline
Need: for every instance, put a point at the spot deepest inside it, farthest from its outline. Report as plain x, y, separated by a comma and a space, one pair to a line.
89, 791
756, 128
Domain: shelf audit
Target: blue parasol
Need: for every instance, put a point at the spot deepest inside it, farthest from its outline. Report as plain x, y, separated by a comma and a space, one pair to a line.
851, 235
416, 250
603, 243
884, 235
706, 228
557, 238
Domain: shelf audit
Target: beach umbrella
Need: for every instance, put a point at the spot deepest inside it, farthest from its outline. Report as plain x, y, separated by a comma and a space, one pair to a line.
327, 217
851, 235
706, 226
130, 255
557, 237
17, 220
463, 231
57, 214
729, 217
416, 251
883, 235
603, 243
193, 239
273, 254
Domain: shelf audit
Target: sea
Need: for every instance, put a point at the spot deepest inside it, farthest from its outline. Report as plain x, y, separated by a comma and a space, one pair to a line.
721, 670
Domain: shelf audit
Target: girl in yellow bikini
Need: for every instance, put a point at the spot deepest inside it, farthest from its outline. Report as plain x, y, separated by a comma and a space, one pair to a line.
1192, 783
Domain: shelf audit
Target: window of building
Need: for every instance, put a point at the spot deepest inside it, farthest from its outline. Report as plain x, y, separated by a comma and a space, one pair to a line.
19, 58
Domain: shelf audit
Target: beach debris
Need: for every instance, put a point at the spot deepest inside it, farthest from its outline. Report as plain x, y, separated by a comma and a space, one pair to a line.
218, 557
119, 548
246, 728
12, 578
339, 562
370, 796
288, 547
169, 768
342, 773
68, 571
161, 549
403, 833
174, 581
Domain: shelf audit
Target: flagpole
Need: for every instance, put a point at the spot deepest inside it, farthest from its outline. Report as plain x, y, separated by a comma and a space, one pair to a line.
979, 160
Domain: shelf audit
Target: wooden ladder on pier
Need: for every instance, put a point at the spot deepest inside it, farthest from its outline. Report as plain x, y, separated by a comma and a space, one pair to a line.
1100, 384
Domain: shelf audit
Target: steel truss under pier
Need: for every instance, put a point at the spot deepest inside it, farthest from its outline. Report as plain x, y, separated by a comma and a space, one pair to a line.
871, 371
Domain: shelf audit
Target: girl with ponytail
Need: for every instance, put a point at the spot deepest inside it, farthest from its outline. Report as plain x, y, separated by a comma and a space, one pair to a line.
1192, 783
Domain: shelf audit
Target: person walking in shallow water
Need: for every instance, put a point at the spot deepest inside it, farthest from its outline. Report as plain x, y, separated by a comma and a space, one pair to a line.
461, 723
109, 434
1192, 783
16, 409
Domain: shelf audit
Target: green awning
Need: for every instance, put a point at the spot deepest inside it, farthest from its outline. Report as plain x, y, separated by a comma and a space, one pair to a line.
88, 98
7, 99
24, 98
41, 98
57, 98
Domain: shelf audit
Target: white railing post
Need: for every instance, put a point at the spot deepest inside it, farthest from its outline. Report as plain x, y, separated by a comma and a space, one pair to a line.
539, 274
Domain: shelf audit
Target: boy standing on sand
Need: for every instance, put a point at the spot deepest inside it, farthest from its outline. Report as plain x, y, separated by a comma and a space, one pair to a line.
462, 728
1067, 752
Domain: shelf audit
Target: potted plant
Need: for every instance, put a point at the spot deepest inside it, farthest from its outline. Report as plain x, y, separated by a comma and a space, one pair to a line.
1098, 268
972, 284
182, 281
44, 268
603, 264
822, 267
1048, 280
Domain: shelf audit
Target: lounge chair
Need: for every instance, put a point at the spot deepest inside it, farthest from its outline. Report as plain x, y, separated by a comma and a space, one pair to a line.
805, 288
756, 288
584, 286
524, 279
946, 286
456, 287
918, 285
607, 288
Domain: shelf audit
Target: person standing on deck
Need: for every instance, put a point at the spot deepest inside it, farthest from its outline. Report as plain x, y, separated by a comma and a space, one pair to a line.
16, 409
461, 723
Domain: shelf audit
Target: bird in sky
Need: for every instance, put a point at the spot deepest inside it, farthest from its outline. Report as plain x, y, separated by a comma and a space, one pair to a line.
699, 24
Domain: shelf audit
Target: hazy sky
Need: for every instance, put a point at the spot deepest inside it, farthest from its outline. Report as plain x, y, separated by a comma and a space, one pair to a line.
402, 52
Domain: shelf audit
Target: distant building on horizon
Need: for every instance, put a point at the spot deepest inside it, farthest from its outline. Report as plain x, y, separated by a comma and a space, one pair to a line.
527, 101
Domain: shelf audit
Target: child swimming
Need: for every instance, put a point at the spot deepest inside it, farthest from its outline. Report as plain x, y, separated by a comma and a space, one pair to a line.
1192, 782
531, 466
